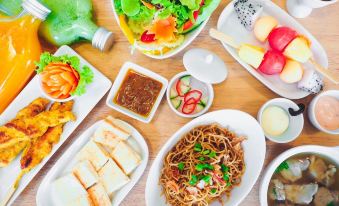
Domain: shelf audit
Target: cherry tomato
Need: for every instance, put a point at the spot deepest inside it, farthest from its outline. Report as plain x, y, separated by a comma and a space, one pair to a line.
147, 38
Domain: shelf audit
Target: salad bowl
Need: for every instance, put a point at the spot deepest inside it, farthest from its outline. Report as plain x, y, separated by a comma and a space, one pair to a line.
164, 52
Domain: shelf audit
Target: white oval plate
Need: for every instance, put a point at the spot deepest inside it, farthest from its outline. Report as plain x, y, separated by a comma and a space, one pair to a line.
229, 24
82, 106
188, 38
254, 148
65, 164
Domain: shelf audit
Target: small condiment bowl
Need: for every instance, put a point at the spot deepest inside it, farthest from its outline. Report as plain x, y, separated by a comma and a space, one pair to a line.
119, 80
51, 98
296, 123
209, 102
311, 111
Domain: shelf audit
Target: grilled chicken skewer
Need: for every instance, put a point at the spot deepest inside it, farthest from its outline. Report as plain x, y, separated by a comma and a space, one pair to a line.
34, 108
41, 146
38, 149
29, 129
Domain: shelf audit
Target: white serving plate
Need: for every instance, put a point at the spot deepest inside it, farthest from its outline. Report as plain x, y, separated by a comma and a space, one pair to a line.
229, 24
82, 106
67, 161
118, 81
254, 148
188, 38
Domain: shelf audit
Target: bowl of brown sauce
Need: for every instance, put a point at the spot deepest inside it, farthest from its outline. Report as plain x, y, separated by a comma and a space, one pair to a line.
137, 92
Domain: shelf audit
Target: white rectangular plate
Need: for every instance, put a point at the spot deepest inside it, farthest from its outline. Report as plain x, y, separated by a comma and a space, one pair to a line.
82, 106
229, 24
65, 164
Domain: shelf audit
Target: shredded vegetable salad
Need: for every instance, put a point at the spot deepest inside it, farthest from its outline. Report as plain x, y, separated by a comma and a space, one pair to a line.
157, 26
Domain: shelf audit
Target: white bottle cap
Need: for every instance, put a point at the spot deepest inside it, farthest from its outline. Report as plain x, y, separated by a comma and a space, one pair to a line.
36, 9
102, 39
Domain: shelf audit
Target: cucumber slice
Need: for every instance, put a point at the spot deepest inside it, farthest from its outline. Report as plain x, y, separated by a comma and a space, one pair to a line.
176, 102
203, 101
200, 107
184, 88
186, 80
173, 94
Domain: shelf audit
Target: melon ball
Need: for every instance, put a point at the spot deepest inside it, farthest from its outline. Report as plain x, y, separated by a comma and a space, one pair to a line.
292, 72
263, 27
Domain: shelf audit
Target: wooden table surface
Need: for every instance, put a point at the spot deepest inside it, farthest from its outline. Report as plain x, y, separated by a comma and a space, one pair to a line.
240, 91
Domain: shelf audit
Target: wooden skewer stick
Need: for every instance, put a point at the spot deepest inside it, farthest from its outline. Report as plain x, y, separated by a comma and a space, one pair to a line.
230, 41
11, 191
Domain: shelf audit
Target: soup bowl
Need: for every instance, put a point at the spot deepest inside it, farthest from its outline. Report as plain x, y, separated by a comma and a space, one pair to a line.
330, 153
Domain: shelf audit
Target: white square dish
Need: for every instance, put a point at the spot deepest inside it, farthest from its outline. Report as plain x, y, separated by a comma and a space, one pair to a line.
118, 81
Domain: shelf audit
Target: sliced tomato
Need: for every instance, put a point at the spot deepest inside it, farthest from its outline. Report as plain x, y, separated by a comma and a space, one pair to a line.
182, 88
147, 38
195, 94
189, 106
188, 24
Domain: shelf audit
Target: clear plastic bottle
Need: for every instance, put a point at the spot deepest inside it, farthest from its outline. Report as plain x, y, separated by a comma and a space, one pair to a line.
19, 49
71, 21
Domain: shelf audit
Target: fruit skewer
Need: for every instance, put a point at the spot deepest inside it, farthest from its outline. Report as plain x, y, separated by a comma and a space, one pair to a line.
271, 62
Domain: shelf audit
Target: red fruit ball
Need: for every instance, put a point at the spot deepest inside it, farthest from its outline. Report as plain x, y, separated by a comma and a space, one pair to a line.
273, 62
280, 37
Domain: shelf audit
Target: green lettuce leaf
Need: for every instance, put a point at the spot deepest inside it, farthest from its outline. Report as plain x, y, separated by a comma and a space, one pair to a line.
118, 8
86, 74
86, 77
140, 21
206, 10
191, 4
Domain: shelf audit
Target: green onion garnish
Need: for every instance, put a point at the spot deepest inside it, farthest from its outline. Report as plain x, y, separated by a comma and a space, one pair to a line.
181, 166
207, 178
197, 147
201, 167
224, 168
213, 190
212, 154
282, 166
226, 177
194, 180
201, 158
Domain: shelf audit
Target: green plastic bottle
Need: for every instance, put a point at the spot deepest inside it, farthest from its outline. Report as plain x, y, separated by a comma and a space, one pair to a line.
69, 22
10, 7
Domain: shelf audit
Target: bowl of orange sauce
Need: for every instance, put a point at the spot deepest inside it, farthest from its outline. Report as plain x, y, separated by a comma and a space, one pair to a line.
323, 112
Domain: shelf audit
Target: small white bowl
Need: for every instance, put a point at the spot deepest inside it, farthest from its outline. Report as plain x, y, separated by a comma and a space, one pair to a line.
311, 111
51, 98
296, 123
209, 102
118, 81
331, 153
